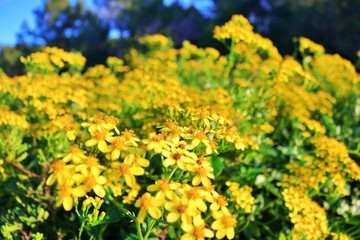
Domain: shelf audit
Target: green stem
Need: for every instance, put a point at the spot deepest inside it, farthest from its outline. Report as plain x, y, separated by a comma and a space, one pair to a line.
173, 171
245, 225
121, 208
129, 215
149, 230
81, 229
138, 230
231, 61
354, 152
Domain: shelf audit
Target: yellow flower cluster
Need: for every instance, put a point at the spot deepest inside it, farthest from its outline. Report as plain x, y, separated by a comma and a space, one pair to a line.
238, 28
121, 160
340, 236
335, 71
156, 41
241, 195
307, 44
12, 118
331, 158
116, 64
308, 217
2, 170
52, 59
335, 158
187, 106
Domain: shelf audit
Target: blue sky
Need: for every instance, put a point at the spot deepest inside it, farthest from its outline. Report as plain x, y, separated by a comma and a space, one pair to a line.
14, 12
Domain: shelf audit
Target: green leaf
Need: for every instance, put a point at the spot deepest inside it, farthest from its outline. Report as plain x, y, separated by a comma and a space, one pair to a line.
132, 236
282, 236
22, 157
217, 163
330, 124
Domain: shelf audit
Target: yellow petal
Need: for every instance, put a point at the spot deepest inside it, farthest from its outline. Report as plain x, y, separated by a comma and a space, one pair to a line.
230, 233
155, 212
198, 221
216, 225
195, 142
90, 142
71, 135
78, 191
196, 181
221, 233
201, 205
137, 171
152, 188
99, 190
168, 162
78, 178
102, 146
143, 162
208, 233
130, 180
173, 217
187, 227
101, 180
115, 154
157, 148
68, 203
141, 216
51, 179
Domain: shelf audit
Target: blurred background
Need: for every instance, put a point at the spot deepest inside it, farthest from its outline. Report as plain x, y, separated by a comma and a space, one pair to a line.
102, 28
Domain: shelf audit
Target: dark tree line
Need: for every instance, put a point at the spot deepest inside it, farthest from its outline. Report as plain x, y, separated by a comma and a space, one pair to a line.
72, 26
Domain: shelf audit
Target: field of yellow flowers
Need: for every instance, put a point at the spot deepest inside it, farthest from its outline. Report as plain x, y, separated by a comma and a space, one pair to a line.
182, 143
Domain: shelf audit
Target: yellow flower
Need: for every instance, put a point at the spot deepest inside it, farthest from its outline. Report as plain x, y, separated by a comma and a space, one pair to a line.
126, 171
172, 128
117, 145
202, 116
196, 196
224, 224
101, 123
130, 138
136, 160
306, 43
218, 203
196, 137
164, 188
132, 192
267, 127
90, 164
66, 193
308, 217
197, 231
242, 196
203, 175
76, 155
93, 182
179, 208
148, 204
182, 158
99, 138
70, 131
59, 172
2, 170
157, 142
340, 236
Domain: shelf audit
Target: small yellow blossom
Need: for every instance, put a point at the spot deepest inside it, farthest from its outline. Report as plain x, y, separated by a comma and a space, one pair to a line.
224, 224
148, 204
66, 193
197, 231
